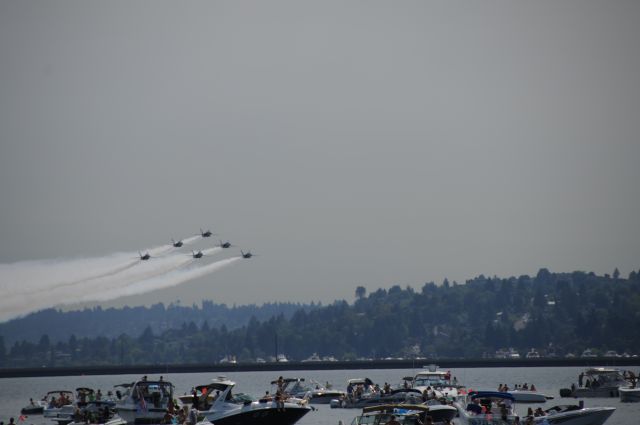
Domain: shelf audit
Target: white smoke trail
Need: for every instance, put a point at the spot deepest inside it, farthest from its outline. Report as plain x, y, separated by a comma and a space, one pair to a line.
31, 276
17, 304
160, 282
211, 251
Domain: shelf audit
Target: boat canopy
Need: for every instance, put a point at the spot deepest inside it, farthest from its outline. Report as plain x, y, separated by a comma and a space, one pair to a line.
391, 408
288, 380
491, 394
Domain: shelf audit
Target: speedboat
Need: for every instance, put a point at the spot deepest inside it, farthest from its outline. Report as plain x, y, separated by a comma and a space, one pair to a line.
315, 393
598, 382
35, 407
406, 414
437, 381
528, 396
97, 412
486, 408
629, 394
575, 415
225, 409
365, 393
60, 407
144, 402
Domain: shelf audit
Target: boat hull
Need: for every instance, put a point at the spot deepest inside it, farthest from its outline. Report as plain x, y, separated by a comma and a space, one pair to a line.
629, 395
528, 396
587, 416
442, 413
32, 410
135, 416
324, 397
267, 416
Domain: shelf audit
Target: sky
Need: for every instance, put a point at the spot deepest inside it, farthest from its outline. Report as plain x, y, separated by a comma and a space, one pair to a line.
348, 144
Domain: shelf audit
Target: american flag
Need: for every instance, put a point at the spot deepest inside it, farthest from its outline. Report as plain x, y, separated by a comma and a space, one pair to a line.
143, 403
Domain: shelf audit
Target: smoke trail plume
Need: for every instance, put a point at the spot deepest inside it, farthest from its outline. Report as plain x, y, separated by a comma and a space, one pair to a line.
20, 303
164, 281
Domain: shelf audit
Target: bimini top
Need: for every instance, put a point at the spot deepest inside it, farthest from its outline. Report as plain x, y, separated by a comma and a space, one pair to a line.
491, 394
396, 408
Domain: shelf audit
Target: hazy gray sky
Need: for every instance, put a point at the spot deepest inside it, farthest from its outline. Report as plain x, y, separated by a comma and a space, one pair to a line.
348, 143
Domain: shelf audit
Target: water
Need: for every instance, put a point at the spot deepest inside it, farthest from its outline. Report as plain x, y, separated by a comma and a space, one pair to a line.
15, 392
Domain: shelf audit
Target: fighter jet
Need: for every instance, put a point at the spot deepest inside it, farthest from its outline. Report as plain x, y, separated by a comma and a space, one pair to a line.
144, 257
176, 244
198, 254
247, 254
226, 244
205, 234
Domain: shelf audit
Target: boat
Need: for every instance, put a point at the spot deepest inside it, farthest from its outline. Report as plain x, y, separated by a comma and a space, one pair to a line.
144, 401
97, 412
226, 409
316, 393
486, 408
363, 392
629, 394
406, 414
431, 378
575, 415
527, 396
598, 382
35, 407
60, 407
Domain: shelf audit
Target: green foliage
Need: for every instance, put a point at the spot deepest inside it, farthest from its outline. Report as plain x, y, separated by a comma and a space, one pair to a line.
559, 312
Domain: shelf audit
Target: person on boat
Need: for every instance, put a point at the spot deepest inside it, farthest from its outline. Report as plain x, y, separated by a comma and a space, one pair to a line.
167, 418
516, 420
280, 383
280, 400
392, 421
474, 407
539, 412
532, 388
525, 386
192, 419
182, 416
580, 377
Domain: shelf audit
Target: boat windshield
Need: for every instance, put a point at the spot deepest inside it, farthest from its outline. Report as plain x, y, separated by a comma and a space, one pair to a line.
430, 381
158, 393
383, 418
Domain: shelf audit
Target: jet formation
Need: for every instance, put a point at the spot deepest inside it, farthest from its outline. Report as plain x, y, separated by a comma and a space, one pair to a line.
197, 254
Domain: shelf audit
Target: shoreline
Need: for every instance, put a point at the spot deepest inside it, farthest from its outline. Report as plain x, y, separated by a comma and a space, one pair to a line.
319, 365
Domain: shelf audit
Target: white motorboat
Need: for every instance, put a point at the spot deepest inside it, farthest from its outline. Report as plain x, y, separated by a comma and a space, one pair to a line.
527, 396
144, 402
316, 393
575, 415
363, 392
226, 409
629, 394
35, 407
597, 382
60, 407
406, 414
486, 408
97, 413
437, 381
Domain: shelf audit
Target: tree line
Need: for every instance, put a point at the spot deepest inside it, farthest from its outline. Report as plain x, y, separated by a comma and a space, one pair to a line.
554, 313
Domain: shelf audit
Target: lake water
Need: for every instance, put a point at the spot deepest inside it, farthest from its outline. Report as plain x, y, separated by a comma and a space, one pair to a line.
15, 392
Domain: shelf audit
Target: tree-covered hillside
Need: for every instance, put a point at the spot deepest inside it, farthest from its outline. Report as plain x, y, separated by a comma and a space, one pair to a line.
555, 313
